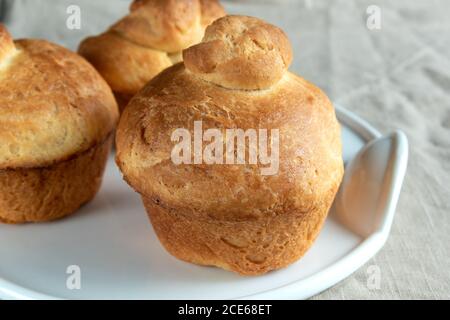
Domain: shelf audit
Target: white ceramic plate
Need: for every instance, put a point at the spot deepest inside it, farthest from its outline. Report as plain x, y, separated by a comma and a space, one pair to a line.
119, 256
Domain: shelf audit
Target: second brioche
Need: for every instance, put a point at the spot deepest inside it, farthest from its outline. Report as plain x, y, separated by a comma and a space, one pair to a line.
146, 41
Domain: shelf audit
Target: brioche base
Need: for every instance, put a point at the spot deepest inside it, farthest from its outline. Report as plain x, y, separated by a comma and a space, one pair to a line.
49, 193
245, 247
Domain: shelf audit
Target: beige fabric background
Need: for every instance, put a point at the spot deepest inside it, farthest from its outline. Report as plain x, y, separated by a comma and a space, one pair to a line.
396, 77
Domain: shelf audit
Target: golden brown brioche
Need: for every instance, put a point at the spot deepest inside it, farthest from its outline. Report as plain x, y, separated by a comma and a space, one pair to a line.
57, 116
148, 40
230, 215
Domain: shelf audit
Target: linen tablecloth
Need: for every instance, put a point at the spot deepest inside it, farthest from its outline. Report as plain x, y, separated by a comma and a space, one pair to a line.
395, 76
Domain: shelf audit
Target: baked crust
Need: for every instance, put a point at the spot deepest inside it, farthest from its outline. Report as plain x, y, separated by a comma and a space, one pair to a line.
220, 214
143, 43
248, 247
48, 193
310, 147
53, 105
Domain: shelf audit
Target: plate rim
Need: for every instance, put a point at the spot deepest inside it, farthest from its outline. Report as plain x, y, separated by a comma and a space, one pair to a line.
322, 280
356, 258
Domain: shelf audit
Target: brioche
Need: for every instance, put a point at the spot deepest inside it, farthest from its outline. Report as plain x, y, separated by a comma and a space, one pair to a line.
146, 41
57, 116
231, 215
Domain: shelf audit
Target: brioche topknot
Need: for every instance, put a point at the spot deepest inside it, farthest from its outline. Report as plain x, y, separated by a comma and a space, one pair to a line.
239, 52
